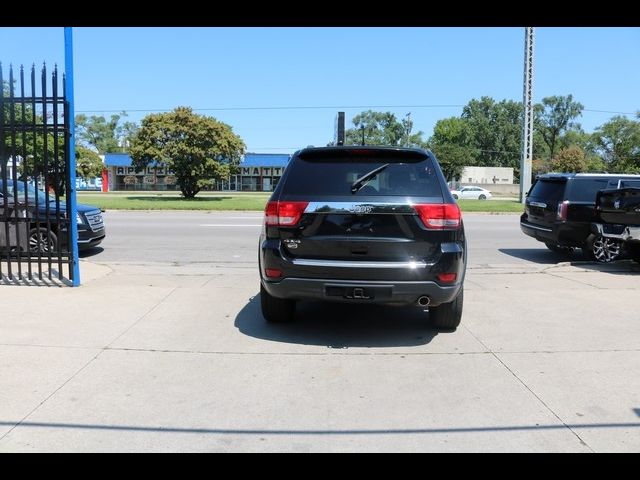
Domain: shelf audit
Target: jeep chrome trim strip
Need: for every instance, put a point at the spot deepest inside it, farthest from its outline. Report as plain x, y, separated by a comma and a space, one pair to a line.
528, 225
356, 264
360, 208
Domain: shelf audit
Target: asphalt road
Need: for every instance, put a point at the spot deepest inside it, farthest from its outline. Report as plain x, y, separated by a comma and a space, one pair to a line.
231, 239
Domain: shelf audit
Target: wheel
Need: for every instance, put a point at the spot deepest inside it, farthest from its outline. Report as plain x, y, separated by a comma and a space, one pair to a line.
482, 197
455, 196
43, 241
276, 310
448, 315
554, 247
603, 249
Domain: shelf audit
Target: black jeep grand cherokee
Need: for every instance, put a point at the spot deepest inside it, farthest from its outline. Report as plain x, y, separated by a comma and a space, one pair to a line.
363, 225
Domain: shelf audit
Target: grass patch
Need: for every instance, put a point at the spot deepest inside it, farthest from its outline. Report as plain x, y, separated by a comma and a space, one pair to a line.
491, 206
248, 201
174, 202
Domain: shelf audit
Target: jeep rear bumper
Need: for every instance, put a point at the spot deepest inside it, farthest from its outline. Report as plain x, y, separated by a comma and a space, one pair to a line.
350, 291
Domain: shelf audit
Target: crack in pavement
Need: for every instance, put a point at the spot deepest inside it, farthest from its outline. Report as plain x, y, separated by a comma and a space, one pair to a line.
95, 357
523, 383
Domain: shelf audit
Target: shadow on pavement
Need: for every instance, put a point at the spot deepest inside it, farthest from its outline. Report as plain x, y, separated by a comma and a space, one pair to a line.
620, 267
575, 258
90, 252
340, 325
308, 432
543, 256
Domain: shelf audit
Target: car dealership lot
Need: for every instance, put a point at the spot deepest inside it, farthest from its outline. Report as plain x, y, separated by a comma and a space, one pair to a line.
163, 348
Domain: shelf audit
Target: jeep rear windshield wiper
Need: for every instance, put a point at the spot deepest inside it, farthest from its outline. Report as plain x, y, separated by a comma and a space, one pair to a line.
366, 178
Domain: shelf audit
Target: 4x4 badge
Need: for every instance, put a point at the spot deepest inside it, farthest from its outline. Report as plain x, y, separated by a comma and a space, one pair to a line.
292, 243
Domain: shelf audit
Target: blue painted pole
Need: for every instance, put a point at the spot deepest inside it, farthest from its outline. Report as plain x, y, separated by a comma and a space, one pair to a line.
71, 121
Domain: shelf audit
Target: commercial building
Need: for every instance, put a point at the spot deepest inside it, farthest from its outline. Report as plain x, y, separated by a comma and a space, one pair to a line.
257, 172
487, 175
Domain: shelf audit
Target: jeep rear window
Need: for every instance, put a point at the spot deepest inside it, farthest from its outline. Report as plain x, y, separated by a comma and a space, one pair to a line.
334, 176
548, 190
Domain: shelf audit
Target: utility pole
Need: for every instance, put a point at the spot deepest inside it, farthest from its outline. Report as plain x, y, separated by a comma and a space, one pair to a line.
527, 125
339, 130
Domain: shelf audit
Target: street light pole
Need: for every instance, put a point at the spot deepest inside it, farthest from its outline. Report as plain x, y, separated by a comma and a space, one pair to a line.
527, 125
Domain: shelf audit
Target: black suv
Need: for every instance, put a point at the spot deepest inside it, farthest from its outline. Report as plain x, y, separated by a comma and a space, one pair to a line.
363, 225
560, 209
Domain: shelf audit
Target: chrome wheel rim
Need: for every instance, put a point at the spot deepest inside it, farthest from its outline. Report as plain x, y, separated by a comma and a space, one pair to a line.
39, 242
606, 250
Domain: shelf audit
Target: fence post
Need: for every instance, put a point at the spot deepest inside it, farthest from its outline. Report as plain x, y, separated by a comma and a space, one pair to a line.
73, 223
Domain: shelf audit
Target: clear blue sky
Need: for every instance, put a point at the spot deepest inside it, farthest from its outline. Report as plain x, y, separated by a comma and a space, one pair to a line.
136, 69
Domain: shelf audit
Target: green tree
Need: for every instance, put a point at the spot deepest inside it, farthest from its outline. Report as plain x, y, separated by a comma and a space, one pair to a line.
29, 146
571, 159
618, 142
452, 143
197, 148
595, 164
497, 131
105, 136
88, 163
383, 128
555, 116
540, 166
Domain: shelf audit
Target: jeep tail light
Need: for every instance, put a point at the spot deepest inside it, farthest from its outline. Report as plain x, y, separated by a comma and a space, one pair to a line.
284, 213
563, 210
273, 272
440, 216
447, 277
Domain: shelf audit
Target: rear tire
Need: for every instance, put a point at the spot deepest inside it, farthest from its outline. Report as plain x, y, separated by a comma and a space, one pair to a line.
455, 197
448, 315
276, 310
602, 249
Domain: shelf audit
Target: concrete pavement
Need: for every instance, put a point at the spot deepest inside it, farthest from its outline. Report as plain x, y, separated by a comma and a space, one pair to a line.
160, 356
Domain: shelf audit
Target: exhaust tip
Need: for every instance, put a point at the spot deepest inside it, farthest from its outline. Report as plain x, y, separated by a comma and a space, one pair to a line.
424, 301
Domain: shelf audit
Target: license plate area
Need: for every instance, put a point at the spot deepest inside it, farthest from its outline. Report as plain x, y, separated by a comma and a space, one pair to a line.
358, 292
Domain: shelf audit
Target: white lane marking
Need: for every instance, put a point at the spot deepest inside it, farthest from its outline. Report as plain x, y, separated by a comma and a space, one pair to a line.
229, 225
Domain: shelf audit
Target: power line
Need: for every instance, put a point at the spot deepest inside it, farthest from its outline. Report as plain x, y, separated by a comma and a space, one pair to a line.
609, 111
297, 107
311, 107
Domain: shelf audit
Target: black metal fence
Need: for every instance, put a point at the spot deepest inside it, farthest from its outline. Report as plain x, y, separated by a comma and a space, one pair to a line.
35, 190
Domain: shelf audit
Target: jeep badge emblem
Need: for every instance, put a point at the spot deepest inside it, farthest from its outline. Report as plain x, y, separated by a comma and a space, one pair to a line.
362, 209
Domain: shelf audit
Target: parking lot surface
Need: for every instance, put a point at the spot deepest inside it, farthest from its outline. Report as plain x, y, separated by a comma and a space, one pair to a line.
163, 348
